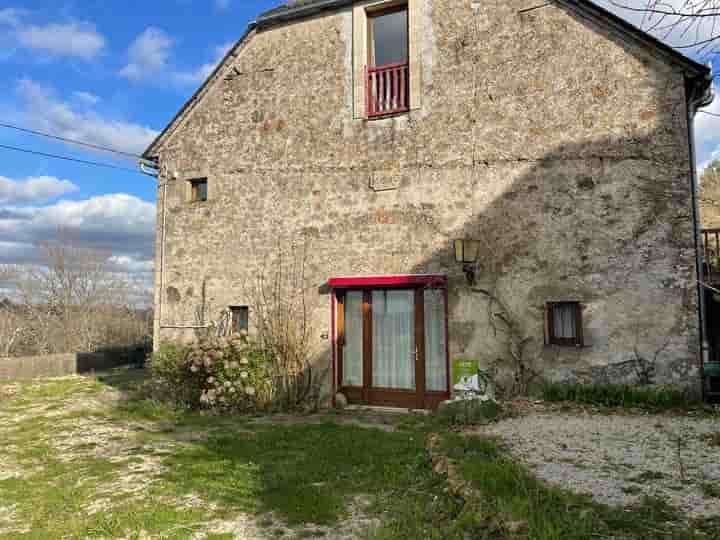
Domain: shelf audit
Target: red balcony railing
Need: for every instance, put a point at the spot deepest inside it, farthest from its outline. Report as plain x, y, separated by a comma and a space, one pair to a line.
387, 89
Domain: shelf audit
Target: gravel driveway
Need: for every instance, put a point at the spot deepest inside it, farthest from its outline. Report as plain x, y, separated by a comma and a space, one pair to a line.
620, 458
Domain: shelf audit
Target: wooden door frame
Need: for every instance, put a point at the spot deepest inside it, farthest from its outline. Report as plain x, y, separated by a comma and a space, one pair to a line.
420, 398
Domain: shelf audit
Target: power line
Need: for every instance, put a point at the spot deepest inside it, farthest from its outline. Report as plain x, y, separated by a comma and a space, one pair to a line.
709, 113
73, 141
66, 158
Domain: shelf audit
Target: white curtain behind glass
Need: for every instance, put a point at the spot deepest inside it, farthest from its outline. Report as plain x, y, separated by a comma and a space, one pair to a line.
435, 368
353, 348
393, 324
564, 320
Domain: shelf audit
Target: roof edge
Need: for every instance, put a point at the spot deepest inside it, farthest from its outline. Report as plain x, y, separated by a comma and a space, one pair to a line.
698, 74
585, 8
150, 150
592, 11
273, 17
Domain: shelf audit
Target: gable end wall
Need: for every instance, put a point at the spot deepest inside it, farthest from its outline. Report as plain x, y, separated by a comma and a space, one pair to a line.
559, 146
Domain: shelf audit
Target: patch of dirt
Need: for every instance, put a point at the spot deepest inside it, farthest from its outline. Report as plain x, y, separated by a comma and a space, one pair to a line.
620, 458
364, 419
271, 527
9, 522
82, 427
8, 390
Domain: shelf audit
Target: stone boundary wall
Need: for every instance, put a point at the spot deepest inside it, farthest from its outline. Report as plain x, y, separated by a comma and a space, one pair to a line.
57, 365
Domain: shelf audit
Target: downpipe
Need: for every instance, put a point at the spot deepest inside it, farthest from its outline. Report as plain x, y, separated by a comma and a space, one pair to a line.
701, 96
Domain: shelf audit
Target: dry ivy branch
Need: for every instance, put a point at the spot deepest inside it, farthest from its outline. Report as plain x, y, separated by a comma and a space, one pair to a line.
283, 324
501, 320
645, 367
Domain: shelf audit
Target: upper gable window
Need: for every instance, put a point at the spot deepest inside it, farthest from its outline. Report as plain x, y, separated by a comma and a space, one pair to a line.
388, 39
387, 89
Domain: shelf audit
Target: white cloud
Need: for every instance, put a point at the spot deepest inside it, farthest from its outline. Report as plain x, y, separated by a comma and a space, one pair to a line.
45, 112
74, 39
199, 75
33, 190
119, 223
132, 265
86, 98
707, 133
148, 55
150, 58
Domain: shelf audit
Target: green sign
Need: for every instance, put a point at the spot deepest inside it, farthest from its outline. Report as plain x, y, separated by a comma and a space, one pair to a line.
463, 367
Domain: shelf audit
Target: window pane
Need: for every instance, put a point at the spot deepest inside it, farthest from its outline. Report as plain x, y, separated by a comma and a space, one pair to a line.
390, 38
239, 319
353, 345
201, 193
564, 321
435, 366
393, 332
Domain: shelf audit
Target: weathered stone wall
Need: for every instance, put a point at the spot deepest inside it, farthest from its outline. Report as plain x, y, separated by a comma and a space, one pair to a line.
561, 147
57, 365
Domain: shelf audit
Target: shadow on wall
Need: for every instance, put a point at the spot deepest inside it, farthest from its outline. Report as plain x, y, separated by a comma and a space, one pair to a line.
606, 222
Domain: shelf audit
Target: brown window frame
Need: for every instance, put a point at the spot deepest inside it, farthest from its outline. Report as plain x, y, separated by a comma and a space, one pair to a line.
194, 183
235, 319
552, 339
420, 397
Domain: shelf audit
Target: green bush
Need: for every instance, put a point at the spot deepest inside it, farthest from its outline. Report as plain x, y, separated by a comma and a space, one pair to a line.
214, 374
618, 395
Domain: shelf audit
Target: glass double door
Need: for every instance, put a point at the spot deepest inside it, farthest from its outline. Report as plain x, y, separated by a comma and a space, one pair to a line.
392, 347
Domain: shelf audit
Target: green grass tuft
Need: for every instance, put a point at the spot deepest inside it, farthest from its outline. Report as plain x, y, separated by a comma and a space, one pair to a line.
712, 491
619, 395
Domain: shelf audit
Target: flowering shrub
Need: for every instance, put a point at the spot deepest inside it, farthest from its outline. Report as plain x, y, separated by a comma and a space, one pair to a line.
215, 373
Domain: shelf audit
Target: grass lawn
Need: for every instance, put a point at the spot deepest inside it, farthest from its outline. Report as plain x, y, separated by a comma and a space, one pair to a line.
79, 461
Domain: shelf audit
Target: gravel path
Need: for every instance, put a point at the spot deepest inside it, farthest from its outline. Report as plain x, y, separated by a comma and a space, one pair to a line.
618, 459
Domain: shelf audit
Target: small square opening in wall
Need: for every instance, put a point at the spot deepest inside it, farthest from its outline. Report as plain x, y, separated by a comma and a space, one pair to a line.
240, 319
198, 190
564, 323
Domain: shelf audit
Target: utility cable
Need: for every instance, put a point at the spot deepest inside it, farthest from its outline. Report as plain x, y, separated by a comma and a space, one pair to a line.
73, 141
66, 158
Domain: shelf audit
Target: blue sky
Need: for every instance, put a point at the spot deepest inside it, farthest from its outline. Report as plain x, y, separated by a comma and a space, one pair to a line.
113, 73
109, 72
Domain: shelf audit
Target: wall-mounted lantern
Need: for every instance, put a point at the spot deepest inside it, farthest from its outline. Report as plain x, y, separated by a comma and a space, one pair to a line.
467, 253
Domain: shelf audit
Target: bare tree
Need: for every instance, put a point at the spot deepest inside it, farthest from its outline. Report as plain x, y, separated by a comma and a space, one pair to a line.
72, 300
693, 24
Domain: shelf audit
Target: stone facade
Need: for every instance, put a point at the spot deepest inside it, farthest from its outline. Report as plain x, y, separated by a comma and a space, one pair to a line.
559, 145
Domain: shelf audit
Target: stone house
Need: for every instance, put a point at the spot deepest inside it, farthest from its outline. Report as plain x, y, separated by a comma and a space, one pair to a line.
506, 182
